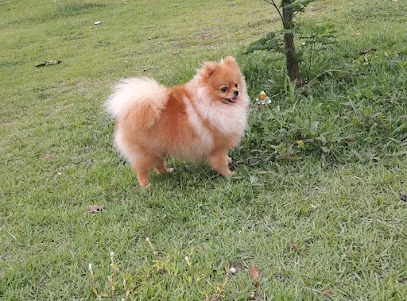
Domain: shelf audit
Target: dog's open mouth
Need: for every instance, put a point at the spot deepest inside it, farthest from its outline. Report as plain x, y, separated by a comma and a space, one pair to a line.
231, 100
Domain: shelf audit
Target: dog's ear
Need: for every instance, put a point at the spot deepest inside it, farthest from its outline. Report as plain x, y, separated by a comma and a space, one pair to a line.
208, 69
230, 60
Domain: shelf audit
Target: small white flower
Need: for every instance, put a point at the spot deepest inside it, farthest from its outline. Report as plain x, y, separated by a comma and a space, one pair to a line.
233, 270
90, 268
148, 239
111, 254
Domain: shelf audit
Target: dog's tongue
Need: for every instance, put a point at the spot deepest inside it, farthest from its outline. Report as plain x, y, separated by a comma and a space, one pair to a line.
234, 99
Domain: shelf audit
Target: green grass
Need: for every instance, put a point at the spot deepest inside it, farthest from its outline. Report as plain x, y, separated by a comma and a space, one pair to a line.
320, 221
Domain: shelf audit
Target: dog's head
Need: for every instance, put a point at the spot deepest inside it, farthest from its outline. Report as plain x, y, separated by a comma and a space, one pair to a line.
223, 81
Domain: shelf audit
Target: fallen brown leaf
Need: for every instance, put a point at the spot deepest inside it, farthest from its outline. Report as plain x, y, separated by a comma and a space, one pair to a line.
350, 139
47, 156
255, 273
328, 292
295, 245
96, 209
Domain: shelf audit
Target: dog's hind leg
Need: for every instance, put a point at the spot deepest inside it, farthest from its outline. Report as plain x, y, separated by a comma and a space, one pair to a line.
141, 165
161, 168
142, 174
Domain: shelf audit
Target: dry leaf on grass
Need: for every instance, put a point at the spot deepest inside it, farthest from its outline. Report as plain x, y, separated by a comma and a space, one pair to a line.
295, 245
96, 209
48, 156
255, 273
350, 139
328, 292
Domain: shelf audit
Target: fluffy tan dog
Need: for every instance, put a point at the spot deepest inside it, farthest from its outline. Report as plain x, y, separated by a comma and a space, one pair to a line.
199, 121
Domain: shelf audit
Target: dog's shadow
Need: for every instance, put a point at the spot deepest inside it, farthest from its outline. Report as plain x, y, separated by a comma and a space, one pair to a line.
186, 174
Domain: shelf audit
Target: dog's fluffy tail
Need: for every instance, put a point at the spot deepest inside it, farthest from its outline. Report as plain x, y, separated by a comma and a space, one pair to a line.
142, 97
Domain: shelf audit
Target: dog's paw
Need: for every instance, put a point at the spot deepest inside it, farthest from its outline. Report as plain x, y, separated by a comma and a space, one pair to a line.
227, 173
164, 170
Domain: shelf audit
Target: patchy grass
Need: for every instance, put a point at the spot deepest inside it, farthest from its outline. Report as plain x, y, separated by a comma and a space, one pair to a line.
321, 219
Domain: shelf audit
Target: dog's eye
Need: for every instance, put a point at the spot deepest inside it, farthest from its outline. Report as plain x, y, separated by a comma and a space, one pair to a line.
224, 89
236, 85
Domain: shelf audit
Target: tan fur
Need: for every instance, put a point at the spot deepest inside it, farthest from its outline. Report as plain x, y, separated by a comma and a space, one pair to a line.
197, 121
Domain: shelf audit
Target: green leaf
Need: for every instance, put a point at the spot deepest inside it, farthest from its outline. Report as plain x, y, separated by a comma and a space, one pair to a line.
298, 5
271, 41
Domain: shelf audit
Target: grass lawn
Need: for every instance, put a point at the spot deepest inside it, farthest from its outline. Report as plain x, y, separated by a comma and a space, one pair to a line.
314, 207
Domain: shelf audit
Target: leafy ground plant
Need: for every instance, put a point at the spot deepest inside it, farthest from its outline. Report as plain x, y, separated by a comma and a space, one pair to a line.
314, 209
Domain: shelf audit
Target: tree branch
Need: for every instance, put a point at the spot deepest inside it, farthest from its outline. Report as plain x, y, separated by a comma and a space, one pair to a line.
278, 10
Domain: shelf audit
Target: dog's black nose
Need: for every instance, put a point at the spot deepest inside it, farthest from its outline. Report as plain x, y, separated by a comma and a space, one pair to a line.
236, 92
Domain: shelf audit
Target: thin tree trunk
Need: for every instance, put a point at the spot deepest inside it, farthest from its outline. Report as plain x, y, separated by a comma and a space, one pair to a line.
290, 53
291, 57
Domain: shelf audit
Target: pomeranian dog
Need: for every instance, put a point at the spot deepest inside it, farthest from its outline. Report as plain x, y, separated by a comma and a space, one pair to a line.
199, 121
